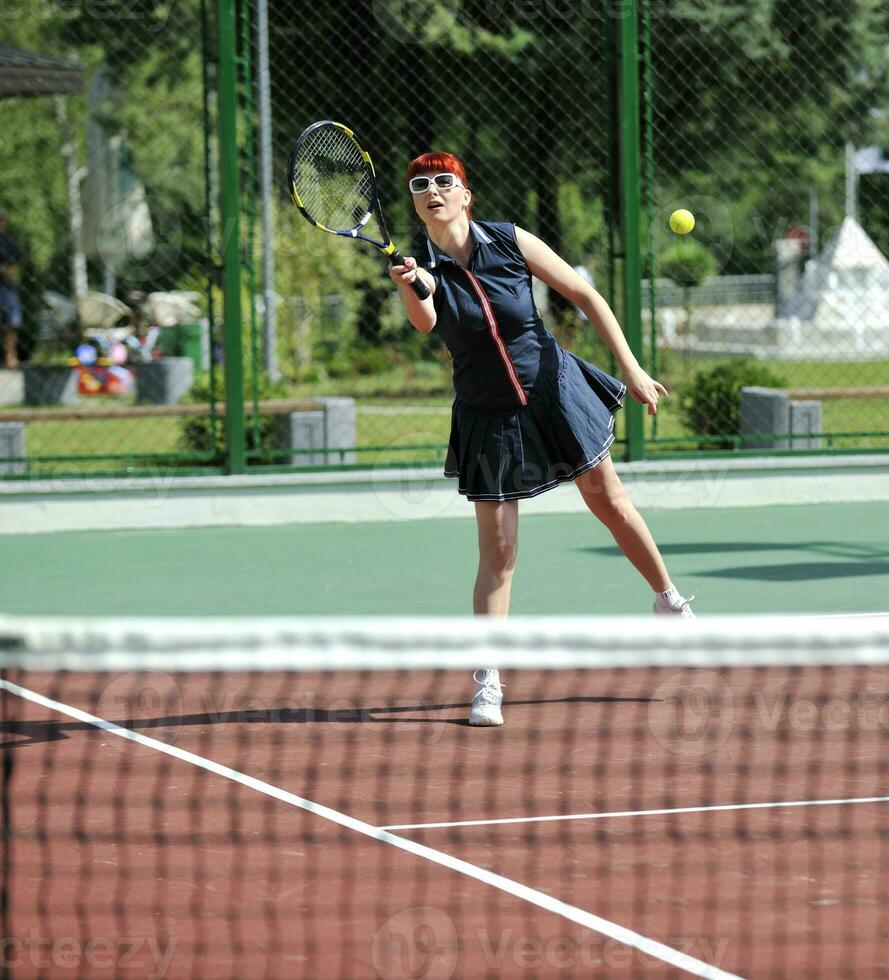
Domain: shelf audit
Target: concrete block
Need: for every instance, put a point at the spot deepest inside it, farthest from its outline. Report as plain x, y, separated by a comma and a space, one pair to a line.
764, 412
50, 384
164, 382
12, 387
339, 428
301, 430
12, 444
805, 425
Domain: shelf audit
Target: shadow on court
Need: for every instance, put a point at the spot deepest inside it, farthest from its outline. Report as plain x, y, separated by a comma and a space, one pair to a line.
800, 571
744, 547
26, 733
850, 560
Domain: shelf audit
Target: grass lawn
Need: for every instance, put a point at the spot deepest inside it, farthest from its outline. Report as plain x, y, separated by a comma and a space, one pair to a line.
406, 396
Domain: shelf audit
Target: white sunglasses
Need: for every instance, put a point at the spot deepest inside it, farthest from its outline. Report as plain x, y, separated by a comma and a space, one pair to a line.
444, 182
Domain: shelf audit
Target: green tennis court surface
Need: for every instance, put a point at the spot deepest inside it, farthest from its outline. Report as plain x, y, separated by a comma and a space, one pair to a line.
824, 558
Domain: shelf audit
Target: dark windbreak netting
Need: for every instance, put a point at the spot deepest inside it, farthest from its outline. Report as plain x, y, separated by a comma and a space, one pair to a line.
305, 798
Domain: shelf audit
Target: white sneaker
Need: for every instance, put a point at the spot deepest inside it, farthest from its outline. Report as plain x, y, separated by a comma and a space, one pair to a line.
683, 609
488, 698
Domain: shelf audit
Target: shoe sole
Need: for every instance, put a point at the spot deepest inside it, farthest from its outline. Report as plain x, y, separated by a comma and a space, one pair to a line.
484, 721
670, 612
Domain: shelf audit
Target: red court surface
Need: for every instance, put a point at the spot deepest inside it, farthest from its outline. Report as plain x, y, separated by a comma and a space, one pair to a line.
126, 861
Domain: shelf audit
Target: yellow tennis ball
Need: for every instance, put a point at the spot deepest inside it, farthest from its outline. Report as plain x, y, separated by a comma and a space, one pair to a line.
682, 221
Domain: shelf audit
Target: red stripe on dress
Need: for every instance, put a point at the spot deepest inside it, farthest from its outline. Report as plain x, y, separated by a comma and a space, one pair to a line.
491, 320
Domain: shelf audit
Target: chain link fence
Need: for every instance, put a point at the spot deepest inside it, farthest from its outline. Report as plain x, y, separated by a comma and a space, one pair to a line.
105, 135
770, 122
502, 91
767, 120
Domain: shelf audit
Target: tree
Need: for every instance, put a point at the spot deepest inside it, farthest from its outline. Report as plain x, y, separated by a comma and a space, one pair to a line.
688, 264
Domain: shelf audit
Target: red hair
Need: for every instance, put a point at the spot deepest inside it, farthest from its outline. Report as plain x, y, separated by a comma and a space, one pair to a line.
438, 162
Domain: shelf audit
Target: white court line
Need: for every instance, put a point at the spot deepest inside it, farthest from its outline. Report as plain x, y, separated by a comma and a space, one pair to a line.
633, 813
864, 615
650, 947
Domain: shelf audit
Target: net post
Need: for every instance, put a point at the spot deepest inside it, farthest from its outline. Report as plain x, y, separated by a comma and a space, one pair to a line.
231, 280
631, 210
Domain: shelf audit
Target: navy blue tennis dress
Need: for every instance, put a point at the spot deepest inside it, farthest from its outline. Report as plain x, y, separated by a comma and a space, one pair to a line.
527, 414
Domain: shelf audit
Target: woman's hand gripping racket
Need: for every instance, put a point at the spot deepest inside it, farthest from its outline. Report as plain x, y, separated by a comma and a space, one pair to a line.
333, 183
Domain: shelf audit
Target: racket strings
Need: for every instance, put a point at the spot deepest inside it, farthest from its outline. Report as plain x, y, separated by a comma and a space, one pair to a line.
333, 180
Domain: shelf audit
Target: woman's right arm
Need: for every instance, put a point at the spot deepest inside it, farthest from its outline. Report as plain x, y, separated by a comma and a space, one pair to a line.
421, 312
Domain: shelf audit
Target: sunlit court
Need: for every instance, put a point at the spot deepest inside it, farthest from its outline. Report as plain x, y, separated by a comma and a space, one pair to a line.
444, 490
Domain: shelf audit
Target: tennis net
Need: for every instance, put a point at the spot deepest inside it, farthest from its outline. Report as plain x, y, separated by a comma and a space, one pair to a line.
304, 798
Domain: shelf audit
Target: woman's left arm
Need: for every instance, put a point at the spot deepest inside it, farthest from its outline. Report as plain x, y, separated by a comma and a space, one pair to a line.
557, 274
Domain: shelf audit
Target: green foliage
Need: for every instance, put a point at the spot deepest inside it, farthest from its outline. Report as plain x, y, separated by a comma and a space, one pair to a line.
752, 102
574, 333
170, 167
202, 434
711, 405
581, 222
135, 31
52, 355
325, 281
687, 263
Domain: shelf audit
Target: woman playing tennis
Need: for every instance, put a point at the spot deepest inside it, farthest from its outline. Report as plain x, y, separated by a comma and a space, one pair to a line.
527, 414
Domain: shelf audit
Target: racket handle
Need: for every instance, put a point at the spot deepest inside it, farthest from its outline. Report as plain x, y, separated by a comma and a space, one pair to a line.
418, 286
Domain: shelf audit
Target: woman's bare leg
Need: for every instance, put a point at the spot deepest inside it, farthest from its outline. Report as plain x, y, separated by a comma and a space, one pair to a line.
498, 527
605, 496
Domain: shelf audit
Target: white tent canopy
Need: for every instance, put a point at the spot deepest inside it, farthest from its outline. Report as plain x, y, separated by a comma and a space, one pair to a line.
844, 294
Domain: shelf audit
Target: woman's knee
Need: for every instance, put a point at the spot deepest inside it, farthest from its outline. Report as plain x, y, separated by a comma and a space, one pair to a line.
608, 501
498, 536
616, 509
499, 556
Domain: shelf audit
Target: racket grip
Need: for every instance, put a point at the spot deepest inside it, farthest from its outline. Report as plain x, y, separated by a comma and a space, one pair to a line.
418, 286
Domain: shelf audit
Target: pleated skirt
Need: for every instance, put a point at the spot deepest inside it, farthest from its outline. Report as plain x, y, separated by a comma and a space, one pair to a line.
565, 429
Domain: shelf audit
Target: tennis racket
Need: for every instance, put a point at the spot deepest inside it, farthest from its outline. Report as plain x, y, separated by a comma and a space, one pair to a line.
333, 183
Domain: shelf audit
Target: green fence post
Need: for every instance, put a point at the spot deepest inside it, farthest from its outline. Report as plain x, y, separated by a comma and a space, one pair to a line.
231, 258
631, 210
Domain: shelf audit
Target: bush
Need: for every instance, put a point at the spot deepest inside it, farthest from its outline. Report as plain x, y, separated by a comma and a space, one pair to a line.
198, 435
359, 361
325, 284
712, 404
687, 263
